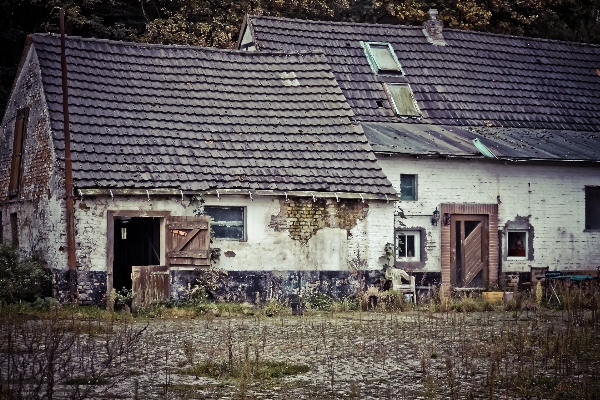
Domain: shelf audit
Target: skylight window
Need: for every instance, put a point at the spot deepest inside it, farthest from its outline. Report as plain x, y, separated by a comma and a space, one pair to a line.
382, 58
403, 100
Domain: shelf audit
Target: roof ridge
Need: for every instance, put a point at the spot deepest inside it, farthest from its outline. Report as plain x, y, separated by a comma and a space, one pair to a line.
181, 46
420, 27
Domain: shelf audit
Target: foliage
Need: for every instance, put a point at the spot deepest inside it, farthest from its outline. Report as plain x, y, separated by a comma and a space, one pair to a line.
217, 23
205, 286
21, 279
320, 301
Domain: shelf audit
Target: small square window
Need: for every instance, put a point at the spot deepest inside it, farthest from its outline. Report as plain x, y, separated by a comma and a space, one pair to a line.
592, 207
516, 244
403, 101
408, 187
226, 222
382, 58
408, 246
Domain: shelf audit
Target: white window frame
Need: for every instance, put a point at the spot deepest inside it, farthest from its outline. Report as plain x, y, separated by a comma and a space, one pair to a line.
525, 244
417, 234
373, 61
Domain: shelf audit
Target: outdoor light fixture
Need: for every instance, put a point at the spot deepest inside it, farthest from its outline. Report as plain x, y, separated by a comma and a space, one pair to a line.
446, 219
435, 217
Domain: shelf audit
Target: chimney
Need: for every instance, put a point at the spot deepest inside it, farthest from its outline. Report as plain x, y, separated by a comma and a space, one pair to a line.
432, 28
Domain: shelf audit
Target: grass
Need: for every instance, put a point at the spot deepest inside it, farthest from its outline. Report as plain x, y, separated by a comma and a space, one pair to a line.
451, 347
264, 370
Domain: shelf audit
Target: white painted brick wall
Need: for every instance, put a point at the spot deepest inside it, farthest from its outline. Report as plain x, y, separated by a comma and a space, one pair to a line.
265, 249
553, 195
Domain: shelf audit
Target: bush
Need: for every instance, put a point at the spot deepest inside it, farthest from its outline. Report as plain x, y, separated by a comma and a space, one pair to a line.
20, 279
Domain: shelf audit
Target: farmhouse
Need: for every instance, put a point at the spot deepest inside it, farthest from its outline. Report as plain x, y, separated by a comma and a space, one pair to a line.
493, 141
264, 143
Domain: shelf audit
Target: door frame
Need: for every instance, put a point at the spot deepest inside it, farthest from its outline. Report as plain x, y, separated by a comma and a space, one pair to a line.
491, 210
110, 238
483, 219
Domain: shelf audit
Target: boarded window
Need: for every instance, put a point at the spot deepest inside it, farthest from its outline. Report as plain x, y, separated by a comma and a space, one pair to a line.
592, 207
408, 245
516, 243
226, 222
17, 153
408, 187
402, 99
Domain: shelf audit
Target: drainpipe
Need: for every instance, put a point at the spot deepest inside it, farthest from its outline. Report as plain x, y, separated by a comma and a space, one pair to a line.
72, 272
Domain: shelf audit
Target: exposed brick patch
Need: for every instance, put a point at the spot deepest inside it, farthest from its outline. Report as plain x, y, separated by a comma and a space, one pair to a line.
302, 218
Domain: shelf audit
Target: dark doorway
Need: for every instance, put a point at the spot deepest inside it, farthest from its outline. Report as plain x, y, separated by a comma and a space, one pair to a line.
136, 242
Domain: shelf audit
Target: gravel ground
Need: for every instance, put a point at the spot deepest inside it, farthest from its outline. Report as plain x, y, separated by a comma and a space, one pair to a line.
360, 356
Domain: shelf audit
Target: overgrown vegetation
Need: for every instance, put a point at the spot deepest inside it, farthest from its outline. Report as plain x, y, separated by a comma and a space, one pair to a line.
448, 346
21, 279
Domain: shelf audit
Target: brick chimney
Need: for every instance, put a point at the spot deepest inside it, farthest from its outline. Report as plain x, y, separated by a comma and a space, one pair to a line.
433, 29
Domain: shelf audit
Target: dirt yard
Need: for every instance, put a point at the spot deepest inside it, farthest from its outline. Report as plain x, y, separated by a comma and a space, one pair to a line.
358, 355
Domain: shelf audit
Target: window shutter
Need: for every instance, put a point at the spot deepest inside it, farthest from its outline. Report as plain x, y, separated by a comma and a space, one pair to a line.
17, 154
188, 241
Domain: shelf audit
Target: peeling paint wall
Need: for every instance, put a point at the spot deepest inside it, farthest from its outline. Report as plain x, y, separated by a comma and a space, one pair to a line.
551, 196
40, 204
334, 237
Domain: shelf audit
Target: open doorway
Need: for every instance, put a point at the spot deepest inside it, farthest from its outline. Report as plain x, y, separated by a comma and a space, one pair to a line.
136, 242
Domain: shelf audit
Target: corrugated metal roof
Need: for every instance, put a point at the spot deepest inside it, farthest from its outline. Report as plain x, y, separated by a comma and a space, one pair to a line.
151, 116
504, 143
477, 79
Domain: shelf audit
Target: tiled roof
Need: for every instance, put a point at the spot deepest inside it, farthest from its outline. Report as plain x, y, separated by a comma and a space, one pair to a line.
477, 79
504, 143
151, 116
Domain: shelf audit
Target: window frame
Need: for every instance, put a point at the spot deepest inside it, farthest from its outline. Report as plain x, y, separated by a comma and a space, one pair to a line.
415, 188
373, 60
525, 245
589, 203
213, 222
16, 166
388, 91
419, 245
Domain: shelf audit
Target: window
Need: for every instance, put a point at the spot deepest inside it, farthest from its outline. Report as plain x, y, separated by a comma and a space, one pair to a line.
17, 153
408, 187
14, 230
408, 246
517, 243
403, 100
227, 222
592, 207
382, 58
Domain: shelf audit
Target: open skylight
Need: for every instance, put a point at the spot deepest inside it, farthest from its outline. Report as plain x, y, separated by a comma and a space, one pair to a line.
382, 58
403, 100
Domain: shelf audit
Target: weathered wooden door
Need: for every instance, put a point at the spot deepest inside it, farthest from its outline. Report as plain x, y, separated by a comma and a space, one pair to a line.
188, 241
150, 284
469, 251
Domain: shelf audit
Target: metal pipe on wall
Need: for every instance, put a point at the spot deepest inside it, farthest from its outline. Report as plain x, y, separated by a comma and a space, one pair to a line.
69, 198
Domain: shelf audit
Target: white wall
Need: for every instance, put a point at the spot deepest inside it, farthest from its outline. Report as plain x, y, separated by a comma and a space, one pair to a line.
265, 248
552, 195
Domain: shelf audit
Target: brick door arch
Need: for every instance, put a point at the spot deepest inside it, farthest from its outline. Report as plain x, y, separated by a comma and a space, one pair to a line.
489, 210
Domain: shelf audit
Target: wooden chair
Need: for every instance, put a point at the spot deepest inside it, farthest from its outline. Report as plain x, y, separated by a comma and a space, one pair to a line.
402, 282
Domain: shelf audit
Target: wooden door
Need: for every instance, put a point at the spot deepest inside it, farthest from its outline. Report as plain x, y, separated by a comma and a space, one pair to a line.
188, 241
469, 244
150, 284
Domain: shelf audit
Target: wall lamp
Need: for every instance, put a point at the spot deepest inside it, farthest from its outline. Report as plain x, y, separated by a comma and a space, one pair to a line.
435, 217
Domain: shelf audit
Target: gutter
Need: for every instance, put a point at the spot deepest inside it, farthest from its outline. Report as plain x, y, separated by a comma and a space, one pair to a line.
234, 192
